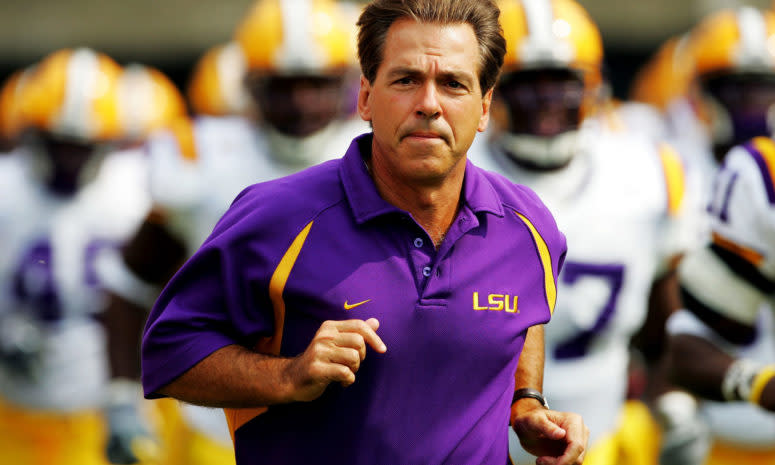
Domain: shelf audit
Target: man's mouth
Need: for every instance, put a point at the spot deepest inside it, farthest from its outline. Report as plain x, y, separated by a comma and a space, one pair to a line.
424, 136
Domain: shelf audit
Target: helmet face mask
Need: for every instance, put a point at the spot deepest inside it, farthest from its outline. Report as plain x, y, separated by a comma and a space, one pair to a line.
63, 163
542, 103
742, 106
297, 105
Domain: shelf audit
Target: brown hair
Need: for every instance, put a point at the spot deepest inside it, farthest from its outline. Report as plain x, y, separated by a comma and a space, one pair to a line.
482, 15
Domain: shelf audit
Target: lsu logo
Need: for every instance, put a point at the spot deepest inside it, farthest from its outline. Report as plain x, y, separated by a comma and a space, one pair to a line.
497, 302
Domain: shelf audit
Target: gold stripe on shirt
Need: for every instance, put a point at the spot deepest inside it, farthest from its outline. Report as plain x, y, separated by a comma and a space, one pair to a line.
546, 261
271, 345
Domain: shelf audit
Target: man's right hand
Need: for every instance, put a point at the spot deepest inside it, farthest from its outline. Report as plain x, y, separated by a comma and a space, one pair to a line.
334, 356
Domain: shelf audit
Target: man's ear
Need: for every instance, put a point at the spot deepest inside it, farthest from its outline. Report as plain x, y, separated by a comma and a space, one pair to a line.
486, 104
364, 102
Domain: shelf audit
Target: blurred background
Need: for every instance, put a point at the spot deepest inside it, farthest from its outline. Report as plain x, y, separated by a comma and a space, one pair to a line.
172, 34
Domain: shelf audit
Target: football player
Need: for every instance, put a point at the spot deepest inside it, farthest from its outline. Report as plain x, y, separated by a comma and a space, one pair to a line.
299, 58
608, 190
725, 67
721, 342
733, 77
147, 102
58, 210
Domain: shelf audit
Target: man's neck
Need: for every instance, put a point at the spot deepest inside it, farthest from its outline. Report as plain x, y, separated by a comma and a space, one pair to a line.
433, 205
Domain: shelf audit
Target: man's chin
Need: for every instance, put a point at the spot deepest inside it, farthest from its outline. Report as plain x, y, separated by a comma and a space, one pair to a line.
428, 173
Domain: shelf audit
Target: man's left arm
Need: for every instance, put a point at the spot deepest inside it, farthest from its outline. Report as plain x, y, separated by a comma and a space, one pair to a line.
556, 438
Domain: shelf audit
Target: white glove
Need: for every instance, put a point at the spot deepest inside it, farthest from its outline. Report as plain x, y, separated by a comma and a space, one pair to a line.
21, 347
686, 437
129, 437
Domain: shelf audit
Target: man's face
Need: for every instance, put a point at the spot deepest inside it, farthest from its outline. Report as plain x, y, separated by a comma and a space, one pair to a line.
425, 104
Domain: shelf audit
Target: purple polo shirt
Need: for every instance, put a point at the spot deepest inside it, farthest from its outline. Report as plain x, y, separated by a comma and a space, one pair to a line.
323, 245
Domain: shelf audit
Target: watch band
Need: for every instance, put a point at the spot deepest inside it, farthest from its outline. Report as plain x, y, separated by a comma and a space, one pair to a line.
529, 392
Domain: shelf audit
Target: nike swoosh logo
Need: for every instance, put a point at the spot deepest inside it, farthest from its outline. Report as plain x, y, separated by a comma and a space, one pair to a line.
351, 306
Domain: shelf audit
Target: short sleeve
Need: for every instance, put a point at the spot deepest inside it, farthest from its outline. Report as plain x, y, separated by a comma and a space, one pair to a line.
219, 297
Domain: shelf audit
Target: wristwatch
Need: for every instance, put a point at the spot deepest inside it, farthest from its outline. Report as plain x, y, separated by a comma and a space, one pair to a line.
528, 392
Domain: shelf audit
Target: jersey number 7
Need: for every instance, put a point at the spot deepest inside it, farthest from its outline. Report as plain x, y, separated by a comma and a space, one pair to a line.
578, 345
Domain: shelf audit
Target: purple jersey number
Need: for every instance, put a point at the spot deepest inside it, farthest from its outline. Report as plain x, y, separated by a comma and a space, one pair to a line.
34, 283
719, 207
613, 275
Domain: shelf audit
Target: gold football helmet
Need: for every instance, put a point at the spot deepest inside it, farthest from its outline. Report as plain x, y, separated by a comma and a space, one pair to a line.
216, 85
10, 108
665, 76
733, 74
551, 34
734, 40
147, 100
297, 36
551, 80
300, 57
72, 93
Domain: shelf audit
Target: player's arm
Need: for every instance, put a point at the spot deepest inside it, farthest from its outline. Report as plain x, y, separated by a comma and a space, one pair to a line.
133, 278
677, 235
650, 341
685, 434
706, 334
146, 262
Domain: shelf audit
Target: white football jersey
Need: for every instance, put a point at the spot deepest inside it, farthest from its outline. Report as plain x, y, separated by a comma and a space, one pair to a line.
49, 288
620, 205
741, 217
228, 154
195, 189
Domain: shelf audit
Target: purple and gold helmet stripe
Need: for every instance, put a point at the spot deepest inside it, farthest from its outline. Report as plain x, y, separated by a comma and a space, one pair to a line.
762, 149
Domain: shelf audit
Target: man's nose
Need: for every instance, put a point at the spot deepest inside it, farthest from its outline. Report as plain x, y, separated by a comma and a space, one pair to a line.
428, 102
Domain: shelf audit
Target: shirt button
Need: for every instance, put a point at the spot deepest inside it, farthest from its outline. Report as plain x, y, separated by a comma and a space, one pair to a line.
418, 242
426, 271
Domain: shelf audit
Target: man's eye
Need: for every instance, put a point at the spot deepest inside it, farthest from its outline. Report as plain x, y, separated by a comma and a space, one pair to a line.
404, 81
